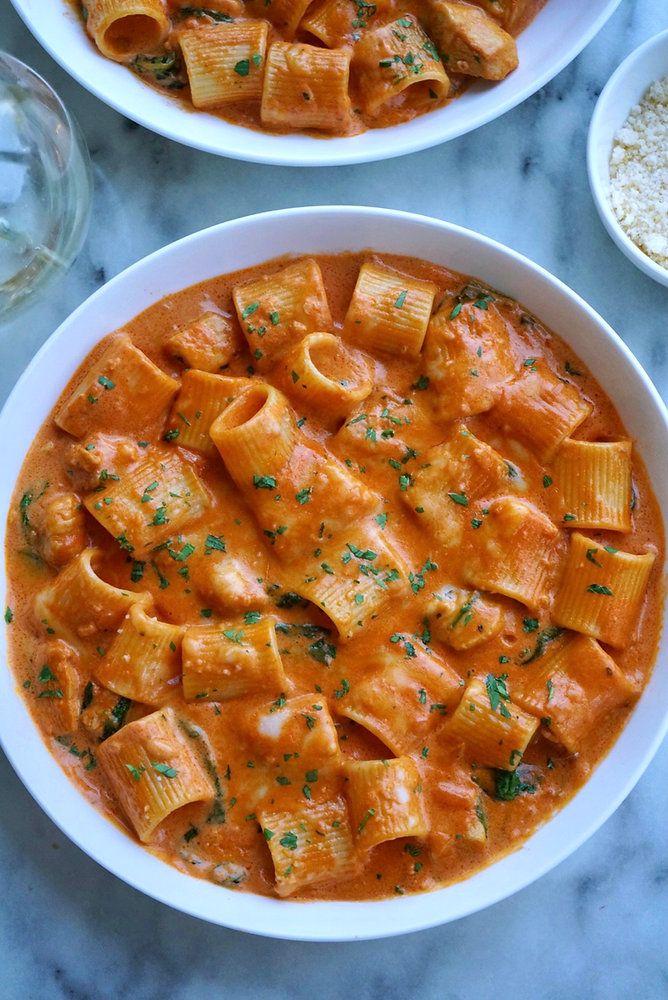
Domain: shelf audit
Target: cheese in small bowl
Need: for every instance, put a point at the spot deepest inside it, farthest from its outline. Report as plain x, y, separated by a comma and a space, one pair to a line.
639, 173
627, 158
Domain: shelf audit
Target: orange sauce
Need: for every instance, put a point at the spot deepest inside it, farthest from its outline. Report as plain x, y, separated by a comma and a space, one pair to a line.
397, 866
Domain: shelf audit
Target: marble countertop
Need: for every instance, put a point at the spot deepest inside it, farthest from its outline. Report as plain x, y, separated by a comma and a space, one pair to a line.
593, 928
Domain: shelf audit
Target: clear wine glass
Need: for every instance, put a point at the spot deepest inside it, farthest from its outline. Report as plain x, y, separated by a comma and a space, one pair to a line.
45, 186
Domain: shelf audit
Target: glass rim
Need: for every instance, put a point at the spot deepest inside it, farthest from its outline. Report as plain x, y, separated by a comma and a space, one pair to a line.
13, 61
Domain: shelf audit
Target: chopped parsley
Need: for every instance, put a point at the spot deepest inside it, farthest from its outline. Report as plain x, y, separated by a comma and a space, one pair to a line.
166, 769
343, 690
459, 498
322, 651
214, 543
497, 692
264, 482
547, 635
87, 695
508, 785
116, 717
234, 635
369, 814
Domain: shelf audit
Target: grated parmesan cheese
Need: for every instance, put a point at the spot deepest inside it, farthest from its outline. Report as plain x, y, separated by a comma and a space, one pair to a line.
639, 174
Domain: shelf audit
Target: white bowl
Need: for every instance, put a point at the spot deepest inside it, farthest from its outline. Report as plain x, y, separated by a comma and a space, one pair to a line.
558, 34
624, 89
240, 244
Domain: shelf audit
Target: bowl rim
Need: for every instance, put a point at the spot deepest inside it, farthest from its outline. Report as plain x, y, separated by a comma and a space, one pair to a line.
321, 152
599, 185
101, 840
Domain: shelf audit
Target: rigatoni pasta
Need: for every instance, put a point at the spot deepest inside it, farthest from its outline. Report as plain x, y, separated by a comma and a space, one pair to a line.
542, 409
201, 398
399, 60
386, 800
322, 373
601, 590
389, 311
221, 663
306, 87
225, 67
275, 311
143, 662
153, 770
144, 507
310, 845
344, 584
332, 21
495, 732
514, 552
78, 603
594, 478
285, 15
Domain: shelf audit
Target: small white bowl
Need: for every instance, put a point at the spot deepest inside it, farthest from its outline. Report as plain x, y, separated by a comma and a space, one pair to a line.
625, 88
244, 243
557, 35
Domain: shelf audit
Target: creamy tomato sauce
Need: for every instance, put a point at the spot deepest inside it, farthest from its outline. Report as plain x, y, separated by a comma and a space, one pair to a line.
197, 838
164, 69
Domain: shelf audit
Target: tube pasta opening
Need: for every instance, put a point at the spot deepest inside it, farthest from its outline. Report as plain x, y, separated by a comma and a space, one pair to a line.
135, 33
324, 373
125, 28
79, 604
256, 434
398, 62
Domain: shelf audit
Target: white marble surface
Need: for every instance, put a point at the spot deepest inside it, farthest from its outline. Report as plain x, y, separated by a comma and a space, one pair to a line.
596, 926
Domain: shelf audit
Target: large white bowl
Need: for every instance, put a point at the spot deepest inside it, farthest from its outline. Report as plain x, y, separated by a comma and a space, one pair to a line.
241, 244
558, 34
624, 89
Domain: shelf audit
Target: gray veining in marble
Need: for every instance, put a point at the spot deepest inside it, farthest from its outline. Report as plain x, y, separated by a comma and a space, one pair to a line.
595, 927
